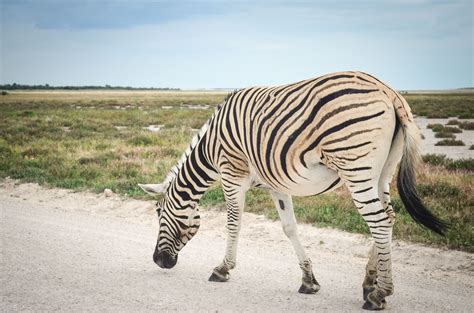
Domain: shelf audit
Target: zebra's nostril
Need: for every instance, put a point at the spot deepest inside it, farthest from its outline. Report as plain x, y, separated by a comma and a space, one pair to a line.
164, 259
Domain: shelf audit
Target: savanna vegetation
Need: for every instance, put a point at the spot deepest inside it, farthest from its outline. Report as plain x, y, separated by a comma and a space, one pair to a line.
92, 140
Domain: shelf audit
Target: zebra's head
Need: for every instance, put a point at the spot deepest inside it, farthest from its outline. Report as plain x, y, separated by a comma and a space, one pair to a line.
177, 225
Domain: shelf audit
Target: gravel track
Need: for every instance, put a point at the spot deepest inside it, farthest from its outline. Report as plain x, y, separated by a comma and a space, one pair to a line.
64, 250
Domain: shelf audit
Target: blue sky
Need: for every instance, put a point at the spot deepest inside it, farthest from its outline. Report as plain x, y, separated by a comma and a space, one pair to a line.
410, 44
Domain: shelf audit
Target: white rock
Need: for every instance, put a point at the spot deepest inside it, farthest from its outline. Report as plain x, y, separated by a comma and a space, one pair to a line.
108, 192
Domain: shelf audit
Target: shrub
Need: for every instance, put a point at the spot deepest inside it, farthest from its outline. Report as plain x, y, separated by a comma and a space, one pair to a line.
444, 134
450, 164
435, 127
461, 164
451, 129
141, 141
450, 142
453, 122
438, 190
435, 159
467, 125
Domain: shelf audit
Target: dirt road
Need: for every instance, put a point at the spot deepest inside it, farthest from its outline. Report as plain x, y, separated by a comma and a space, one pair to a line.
84, 252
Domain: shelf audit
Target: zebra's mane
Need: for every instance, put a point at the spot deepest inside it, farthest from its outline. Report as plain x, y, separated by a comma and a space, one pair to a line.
177, 167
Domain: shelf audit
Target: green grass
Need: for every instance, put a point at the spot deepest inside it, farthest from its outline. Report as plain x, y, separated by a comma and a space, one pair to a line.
462, 124
443, 134
442, 105
450, 142
71, 140
439, 128
449, 164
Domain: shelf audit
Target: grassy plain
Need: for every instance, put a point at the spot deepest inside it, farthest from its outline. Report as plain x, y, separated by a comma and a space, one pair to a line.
91, 140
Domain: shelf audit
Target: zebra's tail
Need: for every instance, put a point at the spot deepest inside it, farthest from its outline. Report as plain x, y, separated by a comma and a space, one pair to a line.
406, 181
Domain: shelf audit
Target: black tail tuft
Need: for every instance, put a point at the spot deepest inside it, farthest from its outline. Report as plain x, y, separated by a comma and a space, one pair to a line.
406, 183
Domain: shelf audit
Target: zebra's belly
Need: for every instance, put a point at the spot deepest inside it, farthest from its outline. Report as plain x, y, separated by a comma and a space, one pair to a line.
316, 180
311, 181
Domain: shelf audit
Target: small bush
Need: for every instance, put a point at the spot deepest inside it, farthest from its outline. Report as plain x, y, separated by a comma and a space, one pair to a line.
471, 147
444, 134
438, 190
453, 122
141, 141
450, 129
450, 164
467, 125
461, 164
435, 159
450, 142
4, 93
435, 127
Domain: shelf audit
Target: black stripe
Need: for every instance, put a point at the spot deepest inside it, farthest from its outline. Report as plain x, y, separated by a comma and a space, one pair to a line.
359, 181
354, 169
342, 109
374, 213
323, 101
350, 136
334, 129
363, 190
377, 221
330, 186
368, 201
347, 148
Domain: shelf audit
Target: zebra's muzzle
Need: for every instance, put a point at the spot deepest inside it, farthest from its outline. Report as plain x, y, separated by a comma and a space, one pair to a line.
164, 259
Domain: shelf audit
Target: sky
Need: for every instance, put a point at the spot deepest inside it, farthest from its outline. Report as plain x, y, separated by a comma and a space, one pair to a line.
409, 44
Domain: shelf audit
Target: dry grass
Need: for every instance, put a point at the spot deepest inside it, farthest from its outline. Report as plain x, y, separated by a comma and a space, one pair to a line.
70, 139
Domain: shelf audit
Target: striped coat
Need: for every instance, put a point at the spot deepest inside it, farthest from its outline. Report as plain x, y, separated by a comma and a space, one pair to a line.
301, 139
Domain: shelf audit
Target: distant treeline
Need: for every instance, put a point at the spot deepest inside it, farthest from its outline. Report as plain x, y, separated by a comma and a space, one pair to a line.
16, 86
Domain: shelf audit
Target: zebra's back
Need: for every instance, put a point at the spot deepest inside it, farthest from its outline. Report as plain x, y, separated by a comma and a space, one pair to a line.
297, 137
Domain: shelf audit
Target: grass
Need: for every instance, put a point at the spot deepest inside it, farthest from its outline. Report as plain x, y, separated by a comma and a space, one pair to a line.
458, 105
437, 128
71, 140
462, 124
450, 142
447, 163
443, 134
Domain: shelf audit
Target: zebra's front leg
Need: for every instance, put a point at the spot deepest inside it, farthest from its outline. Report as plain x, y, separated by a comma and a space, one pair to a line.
370, 279
235, 199
284, 205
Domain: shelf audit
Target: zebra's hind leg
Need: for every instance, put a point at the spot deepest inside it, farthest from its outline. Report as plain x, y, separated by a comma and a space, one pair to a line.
368, 202
284, 205
370, 279
235, 199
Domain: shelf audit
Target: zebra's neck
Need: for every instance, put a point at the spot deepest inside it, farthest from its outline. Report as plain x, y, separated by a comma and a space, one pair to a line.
192, 145
195, 175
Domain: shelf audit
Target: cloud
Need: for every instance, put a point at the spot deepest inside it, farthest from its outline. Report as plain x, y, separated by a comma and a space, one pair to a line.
85, 15
423, 45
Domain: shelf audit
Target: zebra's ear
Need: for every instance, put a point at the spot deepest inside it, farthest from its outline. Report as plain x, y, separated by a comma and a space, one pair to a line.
152, 189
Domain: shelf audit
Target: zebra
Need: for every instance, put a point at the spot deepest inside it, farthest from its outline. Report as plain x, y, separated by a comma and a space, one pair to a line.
300, 139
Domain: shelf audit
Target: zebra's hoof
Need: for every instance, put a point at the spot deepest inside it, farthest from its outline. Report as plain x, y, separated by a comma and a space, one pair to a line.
219, 277
366, 291
311, 289
373, 307
374, 304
